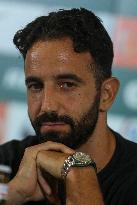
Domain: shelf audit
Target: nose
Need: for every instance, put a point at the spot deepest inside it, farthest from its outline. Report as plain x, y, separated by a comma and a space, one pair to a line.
50, 100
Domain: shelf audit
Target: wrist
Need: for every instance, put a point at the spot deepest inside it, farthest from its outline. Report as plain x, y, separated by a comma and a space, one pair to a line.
77, 180
79, 173
78, 159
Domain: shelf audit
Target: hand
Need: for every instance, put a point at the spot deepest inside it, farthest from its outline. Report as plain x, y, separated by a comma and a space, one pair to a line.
28, 184
52, 159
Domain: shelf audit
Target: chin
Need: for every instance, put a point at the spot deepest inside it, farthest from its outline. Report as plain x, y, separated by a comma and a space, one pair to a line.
53, 136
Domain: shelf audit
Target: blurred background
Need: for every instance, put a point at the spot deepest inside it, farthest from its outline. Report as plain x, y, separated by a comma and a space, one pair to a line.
119, 18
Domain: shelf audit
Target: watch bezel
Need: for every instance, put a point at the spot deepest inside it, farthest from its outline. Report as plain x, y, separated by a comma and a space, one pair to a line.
78, 159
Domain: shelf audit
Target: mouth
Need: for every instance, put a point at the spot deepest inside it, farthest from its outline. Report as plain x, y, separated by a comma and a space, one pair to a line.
53, 126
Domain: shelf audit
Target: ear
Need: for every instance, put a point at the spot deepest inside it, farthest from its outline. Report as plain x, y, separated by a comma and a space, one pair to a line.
109, 90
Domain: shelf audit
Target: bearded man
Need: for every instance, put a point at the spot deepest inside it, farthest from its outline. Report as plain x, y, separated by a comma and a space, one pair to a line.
75, 158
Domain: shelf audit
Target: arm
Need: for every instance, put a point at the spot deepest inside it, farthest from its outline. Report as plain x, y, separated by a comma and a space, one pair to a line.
82, 187
81, 183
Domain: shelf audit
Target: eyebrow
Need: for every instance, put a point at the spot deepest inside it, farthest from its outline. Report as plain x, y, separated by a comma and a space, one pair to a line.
69, 76
32, 79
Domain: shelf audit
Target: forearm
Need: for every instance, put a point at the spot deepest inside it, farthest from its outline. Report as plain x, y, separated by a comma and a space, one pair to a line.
82, 187
14, 196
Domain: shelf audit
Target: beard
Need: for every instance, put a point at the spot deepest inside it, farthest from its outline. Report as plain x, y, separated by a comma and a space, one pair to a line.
80, 130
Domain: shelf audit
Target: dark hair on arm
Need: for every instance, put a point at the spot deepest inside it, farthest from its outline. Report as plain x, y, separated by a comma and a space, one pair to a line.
82, 26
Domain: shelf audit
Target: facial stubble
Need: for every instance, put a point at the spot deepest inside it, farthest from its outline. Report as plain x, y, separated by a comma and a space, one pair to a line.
80, 132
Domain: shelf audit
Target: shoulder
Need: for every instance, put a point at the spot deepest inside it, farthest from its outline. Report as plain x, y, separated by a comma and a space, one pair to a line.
120, 175
19, 145
124, 159
125, 146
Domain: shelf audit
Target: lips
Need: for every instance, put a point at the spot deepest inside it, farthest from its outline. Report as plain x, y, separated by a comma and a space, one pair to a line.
52, 123
53, 126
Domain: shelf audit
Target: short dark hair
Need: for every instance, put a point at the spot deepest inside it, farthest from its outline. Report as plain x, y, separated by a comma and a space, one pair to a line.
82, 26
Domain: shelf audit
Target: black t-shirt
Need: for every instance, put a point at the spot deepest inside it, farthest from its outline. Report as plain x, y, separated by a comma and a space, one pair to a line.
118, 180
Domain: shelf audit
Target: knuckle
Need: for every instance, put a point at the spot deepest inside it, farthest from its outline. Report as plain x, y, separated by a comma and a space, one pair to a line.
28, 150
48, 142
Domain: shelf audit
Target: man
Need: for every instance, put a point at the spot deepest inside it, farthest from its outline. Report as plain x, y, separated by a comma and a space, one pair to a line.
75, 158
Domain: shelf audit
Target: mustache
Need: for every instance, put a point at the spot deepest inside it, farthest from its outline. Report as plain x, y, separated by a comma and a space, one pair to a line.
52, 117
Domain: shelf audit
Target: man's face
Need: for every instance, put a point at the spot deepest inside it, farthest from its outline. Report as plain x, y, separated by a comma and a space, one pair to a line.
62, 99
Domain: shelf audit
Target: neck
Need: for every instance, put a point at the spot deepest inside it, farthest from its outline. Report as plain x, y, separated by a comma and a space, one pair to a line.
101, 144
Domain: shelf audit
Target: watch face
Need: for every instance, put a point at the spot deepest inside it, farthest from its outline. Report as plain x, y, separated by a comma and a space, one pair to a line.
82, 157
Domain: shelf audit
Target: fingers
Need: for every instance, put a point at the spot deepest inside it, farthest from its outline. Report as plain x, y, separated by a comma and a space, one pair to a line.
31, 152
50, 194
54, 146
28, 184
28, 162
43, 184
50, 156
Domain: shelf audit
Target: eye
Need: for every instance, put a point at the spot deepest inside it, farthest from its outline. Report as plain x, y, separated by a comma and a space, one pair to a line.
67, 85
34, 87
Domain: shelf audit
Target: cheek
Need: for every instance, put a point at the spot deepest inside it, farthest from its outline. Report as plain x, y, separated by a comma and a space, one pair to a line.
78, 104
34, 106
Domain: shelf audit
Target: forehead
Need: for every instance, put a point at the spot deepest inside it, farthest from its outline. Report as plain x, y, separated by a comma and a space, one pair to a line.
53, 56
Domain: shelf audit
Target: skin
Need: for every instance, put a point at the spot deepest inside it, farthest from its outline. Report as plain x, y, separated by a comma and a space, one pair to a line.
52, 89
